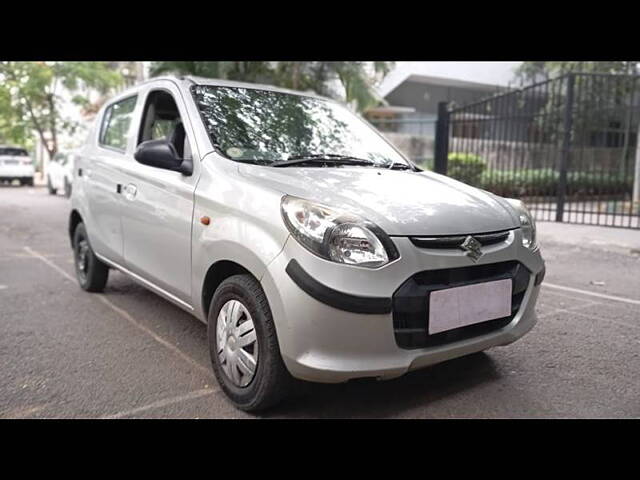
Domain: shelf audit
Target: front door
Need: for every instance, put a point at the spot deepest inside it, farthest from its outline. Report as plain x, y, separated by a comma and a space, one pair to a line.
158, 204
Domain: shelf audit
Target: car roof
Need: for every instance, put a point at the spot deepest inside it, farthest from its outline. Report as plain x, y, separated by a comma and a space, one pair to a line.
188, 80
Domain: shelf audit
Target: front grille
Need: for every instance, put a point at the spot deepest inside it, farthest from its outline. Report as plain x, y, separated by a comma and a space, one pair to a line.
410, 302
455, 241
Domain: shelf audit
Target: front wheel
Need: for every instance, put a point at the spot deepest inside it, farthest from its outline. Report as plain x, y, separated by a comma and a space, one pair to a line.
244, 347
91, 273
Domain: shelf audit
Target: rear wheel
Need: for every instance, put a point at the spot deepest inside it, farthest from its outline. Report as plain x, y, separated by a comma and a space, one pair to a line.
91, 273
244, 346
52, 191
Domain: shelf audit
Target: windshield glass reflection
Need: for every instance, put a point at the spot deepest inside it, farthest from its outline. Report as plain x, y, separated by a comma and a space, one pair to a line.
261, 126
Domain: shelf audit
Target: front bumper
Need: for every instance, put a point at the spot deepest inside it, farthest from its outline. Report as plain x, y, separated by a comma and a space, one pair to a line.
324, 341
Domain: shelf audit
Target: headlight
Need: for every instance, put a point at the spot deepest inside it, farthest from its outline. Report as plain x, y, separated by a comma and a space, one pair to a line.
527, 224
337, 236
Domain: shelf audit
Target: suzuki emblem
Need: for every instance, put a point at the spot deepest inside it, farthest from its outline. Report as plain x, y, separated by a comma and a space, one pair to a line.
472, 247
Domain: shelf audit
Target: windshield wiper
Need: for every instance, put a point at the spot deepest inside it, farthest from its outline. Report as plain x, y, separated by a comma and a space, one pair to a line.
399, 166
324, 158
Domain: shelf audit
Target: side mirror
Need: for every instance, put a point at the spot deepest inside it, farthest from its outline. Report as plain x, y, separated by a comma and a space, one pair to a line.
162, 154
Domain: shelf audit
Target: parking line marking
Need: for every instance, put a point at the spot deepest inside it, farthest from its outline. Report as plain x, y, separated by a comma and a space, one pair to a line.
153, 335
50, 263
630, 301
563, 295
124, 314
597, 319
13, 256
22, 412
556, 310
161, 403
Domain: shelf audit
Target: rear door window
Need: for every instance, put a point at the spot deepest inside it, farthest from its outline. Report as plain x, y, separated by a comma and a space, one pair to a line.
116, 124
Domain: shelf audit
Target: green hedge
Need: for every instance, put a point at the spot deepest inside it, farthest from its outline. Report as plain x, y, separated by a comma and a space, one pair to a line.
544, 181
466, 167
472, 169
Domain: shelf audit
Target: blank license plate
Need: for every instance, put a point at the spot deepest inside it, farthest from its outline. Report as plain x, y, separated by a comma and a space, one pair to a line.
461, 306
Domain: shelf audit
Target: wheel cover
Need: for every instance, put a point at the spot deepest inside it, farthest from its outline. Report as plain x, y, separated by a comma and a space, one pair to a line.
236, 344
82, 259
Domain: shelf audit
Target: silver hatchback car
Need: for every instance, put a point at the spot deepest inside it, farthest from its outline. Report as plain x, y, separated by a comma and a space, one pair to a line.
306, 242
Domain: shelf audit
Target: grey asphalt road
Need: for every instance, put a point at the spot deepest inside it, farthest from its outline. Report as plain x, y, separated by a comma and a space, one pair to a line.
128, 353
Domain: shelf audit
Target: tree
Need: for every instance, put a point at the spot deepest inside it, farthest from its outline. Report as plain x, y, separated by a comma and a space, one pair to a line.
539, 71
356, 80
32, 94
599, 99
605, 100
241, 71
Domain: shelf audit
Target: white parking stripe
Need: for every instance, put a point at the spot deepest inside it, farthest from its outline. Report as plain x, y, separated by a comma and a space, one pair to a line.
598, 319
49, 262
630, 301
161, 403
23, 412
158, 339
124, 314
566, 309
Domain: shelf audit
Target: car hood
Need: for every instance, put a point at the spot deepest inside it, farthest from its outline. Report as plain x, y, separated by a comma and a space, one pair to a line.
402, 203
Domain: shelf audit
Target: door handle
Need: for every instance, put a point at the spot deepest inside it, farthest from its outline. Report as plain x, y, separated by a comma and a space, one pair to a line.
130, 191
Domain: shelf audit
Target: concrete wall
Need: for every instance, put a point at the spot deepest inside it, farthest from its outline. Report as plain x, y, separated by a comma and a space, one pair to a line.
416, 147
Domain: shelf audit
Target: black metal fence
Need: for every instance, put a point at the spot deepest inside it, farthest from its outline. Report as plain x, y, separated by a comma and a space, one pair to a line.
567, 146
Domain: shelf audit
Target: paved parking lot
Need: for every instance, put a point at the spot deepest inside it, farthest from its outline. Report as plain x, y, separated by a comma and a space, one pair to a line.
128, 353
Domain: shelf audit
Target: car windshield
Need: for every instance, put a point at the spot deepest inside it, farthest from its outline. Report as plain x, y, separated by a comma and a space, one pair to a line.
261, 126
13, 152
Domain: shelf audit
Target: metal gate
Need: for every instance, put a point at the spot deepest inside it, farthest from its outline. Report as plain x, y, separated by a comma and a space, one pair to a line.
568, 147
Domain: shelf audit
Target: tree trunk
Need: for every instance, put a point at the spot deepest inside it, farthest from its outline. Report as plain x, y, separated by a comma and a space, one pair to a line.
635, 205
52, 126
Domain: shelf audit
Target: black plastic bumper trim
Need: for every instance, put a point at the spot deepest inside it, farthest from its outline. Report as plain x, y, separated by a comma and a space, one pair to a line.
334, 298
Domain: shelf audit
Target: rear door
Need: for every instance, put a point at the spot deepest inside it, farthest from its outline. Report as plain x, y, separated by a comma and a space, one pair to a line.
158, 204
103, 175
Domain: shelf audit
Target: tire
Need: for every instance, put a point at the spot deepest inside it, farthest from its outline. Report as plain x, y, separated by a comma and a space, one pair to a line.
271, 382
52, 191
67, 188
91, 273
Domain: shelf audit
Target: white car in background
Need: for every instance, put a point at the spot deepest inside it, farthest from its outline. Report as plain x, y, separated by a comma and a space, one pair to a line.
60, 174
15, 164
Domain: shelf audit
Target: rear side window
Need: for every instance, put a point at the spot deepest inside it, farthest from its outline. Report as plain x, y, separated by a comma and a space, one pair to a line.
13, 152
114, 132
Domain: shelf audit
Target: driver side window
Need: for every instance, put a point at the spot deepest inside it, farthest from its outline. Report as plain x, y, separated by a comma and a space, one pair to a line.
161, 120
